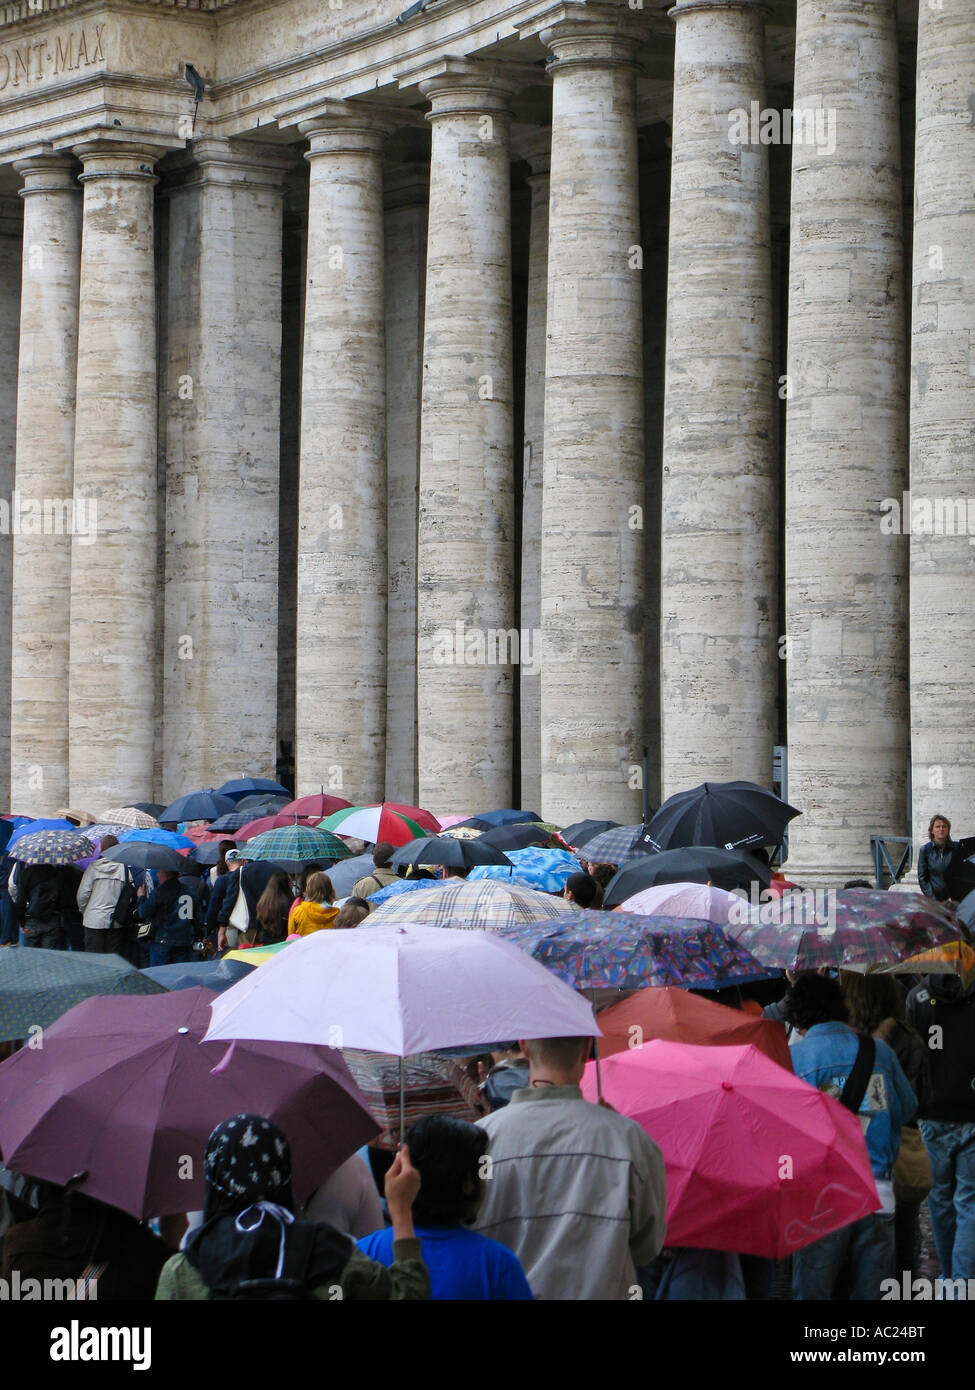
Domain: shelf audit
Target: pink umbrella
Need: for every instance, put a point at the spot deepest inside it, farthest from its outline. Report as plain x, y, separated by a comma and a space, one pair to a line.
758, 1161
317, 806
454, 819
682, 900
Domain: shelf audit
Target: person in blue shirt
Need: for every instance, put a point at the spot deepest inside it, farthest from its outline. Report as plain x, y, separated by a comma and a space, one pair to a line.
451, 1158
825, 1057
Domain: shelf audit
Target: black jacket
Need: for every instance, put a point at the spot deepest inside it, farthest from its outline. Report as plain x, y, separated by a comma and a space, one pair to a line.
45, 894
943, 1012
932, 866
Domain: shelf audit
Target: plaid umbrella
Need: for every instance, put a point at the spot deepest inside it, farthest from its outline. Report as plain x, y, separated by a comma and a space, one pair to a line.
296, 843
619, 950
580, 832
38, 986
853, 928
432, 1084
32, 827
129, 815
548, 870
56, 847
477, 906
613, 846
232, 821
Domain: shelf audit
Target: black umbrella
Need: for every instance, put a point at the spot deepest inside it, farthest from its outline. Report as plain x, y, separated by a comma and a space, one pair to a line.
960, 874
144, 854
582, 831
473, 823
261, 804
151, 808
965, 911
449, 851
733, 815
207, 853
694, 864
513, 837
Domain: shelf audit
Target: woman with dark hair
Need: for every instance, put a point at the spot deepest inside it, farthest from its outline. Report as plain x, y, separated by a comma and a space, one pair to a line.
934, 859
451, 1158
583, 890
251, 1246
273, 907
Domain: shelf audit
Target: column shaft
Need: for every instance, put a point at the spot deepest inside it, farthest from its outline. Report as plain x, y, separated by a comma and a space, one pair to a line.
11, 233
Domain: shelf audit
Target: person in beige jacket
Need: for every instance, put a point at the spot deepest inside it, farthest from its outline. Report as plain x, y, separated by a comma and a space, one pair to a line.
98, 894
381, 875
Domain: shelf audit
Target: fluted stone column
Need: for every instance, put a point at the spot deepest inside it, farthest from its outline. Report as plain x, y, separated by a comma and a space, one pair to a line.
538, 155
592, 552
11, 232
222, 466
341, 643
45, 445
465, 599
718, 573
407, 211
942, 557
114, 580
846, 601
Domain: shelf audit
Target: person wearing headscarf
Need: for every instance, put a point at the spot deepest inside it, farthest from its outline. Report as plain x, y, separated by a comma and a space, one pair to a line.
249, 1223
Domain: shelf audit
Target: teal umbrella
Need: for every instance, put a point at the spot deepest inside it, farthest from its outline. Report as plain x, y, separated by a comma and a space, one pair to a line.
296, 844
37, 986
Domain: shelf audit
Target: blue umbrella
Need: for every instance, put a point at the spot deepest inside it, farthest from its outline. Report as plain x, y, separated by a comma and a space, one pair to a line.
233, 820
347, 872
157, 837
403, 885
545, 869
203, 805
217, 975
243, 786
506, 817
33, 825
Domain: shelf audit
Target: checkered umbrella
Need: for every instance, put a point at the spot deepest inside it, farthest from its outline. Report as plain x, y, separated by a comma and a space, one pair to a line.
462, 832
233, 820
296, 843
612, 846
481, 906
101, 828
432, 1084
55, 847
129, 815
36, 987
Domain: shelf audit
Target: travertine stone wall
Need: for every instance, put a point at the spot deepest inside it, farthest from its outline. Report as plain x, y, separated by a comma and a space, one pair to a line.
11, 232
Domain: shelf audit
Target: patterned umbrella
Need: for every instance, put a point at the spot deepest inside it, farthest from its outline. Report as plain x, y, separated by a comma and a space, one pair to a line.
619, 950
373, 824
129, 815
851, 928
56, 847
232, 821
477, 906
101, 828
462, 832
613, 846
580, 832
32, 827
296, 843
38, 986
257, 955
433, 1085
548, 870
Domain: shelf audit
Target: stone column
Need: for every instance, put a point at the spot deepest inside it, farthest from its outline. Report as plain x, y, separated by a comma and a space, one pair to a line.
45, 446
341, 643
407, 198
845, 443
113, 568
592, 544
465, 598
11, 232
718, 575
223, 444
538, 154
942, 510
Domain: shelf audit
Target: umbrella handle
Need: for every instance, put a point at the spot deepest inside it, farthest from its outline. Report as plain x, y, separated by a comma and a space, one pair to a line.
402, 1104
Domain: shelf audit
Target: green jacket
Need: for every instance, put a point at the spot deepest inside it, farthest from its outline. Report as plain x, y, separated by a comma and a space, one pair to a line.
362, 1278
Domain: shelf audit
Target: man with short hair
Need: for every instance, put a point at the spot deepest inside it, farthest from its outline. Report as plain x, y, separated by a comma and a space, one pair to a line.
576, 1191
381, 876
98, 894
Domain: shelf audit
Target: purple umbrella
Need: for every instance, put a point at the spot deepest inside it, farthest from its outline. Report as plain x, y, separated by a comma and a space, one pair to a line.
123, 1092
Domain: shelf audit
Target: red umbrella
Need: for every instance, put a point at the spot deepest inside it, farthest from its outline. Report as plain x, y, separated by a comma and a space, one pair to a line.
258, 827
677, 1015
414, 813
318, 806
127, 1094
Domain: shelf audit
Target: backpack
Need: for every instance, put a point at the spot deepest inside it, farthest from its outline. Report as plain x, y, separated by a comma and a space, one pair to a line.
128, 901
292, 1286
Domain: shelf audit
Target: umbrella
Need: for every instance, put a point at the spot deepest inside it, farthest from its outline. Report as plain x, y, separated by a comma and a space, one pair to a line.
414, 813
216, 975
954, 959
471, 906
231, 822
453, 853
678, 1015
960, 874
461, 832
447, 821
203, 805
81, 818
374, 824
97, 832
401, 886
617, 950
207, 853
34, 826
256, 955
146, 854
613, 846
314, 807
130, 815
507, 817
699, 864
296, 844
151, 808
580, 832
432, 1085
548, 870
171, 838
58, 847
684, 900
261, 804
244, 786
347, 872
124, 1092
730, 814
851, 928
38, 986
726, 1120
508, 837
252, 828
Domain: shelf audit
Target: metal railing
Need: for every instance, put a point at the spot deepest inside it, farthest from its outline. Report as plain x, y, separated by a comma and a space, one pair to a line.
882, 861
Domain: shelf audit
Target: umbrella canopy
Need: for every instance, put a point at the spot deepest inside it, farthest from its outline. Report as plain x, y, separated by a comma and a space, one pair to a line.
240, 787
725, 1117
954, 959
449, 819
38, 986
347, 872
726, 868
461, 832
208, 852
374, 824
580, 832
677, 1015
401, 886
508, 837
701, 900
133, 816
231, 823
315, 807
506, 817
261, 824
733, 815
854, 927
414, 813
97, 832
401, 989
257, 955
56, 847
124, 1092
960, 874
34, 826
617, 950
296, 844
146, 854
471, 906
201, 805
215, 975
261, 804
171, 838
82, 818
432, 1084
548, 870
613, 846
453, 853
151, 808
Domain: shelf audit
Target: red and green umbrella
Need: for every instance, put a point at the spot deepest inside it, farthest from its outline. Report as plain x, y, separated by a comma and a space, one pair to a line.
374, 824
